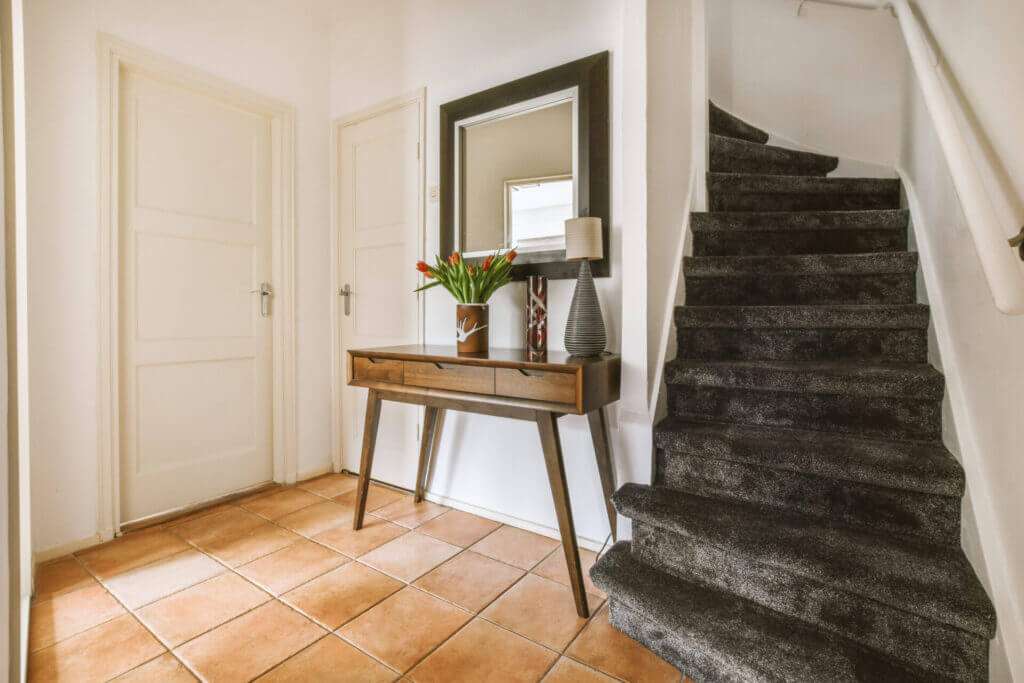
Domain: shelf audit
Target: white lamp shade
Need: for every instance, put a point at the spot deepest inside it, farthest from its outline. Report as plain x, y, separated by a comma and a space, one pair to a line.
583, 239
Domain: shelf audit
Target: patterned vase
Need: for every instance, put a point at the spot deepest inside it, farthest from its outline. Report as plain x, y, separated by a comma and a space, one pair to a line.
584, 330
471, 327
536, 316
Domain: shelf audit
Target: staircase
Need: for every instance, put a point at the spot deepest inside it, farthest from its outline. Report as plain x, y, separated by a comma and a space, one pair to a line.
804, 522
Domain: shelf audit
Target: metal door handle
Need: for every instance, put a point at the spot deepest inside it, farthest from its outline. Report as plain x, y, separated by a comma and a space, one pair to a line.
265, 293
346, 292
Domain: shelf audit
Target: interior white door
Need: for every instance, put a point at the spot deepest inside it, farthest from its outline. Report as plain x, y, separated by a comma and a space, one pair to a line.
379, 222
195, 360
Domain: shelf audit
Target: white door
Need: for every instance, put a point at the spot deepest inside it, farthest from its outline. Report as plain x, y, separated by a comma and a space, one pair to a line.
196, 382
379, 221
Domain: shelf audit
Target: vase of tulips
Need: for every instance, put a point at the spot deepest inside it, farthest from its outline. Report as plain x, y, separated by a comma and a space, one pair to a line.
472, 286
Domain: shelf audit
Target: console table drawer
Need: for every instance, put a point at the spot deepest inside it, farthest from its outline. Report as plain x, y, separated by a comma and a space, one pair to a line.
377, 369
537, 385
475, 380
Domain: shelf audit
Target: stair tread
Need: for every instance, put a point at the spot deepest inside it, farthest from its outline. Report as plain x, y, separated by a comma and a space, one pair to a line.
753, 183
921, 466
764, 221
722, 122
807, 316
708, 633
729, 150
855, 378
801, 264
932, 581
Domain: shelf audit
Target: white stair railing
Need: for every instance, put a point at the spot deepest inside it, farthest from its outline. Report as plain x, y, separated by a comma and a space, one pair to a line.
996, 241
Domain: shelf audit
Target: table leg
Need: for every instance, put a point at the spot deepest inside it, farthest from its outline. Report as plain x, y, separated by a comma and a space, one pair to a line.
426, 442
548, 426
366, 460
603, 453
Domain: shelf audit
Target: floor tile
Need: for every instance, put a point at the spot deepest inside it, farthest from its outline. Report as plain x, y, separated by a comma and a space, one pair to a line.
293, 566
541, 610
167, 575
228, 523
330, 485
60, 576
458, 528
317, 518
330, 659
404, 628
341, 594
484, 652
410, 556
281, 503
469, 580
553, 567
52, 621
570, 671
375, 533
164, 669
516, 547
98, 654
202, 512
130, 551
191, 612
253, 544
376, 497
410, 514
606, 649
250, 645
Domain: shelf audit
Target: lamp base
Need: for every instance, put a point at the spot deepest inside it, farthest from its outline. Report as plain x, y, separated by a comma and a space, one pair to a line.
584, 330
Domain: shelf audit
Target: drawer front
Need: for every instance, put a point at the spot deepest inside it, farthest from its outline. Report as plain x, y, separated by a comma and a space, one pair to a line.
377, 369
474, 380
538, 385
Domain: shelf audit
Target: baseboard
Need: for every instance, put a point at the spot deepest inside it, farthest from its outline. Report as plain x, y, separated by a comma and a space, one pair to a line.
1004, 597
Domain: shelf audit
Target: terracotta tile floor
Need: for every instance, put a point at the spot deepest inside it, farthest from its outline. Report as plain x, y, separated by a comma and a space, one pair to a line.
277, 587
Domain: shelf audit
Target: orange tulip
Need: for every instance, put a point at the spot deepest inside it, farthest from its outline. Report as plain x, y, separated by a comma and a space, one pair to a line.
454, 258
423, 267
511, 256
487, 262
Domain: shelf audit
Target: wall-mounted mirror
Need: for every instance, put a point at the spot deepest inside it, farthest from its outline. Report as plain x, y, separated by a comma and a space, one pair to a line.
519, 159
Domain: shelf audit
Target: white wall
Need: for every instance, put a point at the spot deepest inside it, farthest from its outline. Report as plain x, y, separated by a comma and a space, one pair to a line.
383, 48
830, 80
276, 47
980, 348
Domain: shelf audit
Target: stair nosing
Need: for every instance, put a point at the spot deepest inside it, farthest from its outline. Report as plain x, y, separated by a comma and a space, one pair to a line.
760, 317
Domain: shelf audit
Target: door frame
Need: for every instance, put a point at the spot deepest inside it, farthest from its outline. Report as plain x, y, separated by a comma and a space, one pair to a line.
114, 55
418, 96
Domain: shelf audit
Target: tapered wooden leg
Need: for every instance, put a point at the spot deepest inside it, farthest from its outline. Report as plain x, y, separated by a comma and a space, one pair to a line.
548, 426
603, 453
366, 460
426, 442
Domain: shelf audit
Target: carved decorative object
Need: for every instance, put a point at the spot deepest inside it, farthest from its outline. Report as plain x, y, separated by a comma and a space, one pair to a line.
536, 316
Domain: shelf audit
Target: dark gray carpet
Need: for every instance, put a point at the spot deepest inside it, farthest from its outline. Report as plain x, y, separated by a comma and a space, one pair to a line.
804, 520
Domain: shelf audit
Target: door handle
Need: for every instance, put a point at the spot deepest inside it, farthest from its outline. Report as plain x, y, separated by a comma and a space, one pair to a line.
346, 292
265, 293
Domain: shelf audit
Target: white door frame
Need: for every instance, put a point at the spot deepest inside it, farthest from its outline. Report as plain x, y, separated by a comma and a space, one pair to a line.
337, 343
114, 55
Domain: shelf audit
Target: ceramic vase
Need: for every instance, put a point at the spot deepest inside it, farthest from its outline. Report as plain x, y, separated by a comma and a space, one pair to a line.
471, 328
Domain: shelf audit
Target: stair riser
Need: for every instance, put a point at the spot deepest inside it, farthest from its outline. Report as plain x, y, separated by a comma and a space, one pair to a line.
721, 163
801, 344
925, 643
782, 289
784, 243
692, 660
873, 508
880, 417
721, 122
726, 201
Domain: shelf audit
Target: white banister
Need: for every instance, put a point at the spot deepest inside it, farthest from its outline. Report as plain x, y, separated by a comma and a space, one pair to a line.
1004, 269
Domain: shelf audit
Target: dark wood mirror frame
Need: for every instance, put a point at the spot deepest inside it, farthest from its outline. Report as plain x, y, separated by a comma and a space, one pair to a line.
590, 76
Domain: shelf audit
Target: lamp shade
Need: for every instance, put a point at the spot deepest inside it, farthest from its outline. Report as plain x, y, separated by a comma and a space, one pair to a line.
583, 239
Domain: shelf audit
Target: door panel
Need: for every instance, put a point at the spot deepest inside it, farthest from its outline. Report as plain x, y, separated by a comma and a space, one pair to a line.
378, 211
195, 353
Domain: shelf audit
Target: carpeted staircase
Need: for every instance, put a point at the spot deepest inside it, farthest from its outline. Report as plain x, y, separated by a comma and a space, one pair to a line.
804, 522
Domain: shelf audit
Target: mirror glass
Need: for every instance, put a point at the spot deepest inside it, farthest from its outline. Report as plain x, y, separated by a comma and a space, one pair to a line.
516, 176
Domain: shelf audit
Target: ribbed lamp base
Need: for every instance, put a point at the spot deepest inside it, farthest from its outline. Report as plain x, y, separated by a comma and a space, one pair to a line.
584, 330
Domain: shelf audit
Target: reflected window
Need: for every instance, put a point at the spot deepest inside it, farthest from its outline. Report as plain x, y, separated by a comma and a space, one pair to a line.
536, 210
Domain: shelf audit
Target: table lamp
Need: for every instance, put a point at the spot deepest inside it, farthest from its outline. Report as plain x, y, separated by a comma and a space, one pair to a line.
584, 330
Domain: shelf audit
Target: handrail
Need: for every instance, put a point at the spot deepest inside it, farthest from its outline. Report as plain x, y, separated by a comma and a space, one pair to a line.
1004, 271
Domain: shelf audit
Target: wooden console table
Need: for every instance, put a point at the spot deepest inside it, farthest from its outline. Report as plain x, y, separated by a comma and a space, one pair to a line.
503, 383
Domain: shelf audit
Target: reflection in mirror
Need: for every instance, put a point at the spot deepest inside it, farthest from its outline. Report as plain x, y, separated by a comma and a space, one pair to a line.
536, 210
516, 180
